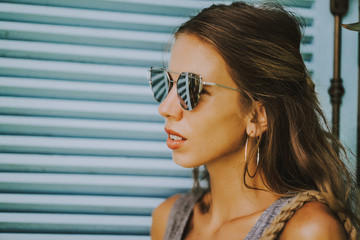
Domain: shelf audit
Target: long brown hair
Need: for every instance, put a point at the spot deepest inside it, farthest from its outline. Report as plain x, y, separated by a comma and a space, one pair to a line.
261, 46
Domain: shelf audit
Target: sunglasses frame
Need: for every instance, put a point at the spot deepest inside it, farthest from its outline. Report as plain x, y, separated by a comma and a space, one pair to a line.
188, 74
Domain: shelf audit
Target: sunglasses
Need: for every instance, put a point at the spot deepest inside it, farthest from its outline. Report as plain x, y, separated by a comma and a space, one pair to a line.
189, 86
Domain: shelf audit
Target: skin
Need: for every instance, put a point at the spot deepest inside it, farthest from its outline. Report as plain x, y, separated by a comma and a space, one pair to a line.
216, 132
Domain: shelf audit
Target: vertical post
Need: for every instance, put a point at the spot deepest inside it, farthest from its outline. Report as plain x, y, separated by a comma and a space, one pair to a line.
338, 9
336, 89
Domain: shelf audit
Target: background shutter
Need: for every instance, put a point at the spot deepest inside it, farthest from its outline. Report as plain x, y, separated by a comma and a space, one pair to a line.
82, 147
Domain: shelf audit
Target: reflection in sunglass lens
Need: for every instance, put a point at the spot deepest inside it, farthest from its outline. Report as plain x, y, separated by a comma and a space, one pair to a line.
159, 84
183, 91
188, 90
194, 89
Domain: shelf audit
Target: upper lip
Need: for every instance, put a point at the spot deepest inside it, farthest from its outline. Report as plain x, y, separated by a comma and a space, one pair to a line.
172, 132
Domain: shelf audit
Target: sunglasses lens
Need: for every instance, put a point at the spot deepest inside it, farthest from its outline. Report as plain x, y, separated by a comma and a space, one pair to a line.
159, 84
188, 87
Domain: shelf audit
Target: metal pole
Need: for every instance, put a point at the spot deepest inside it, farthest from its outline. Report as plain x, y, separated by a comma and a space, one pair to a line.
338, 8
336, 89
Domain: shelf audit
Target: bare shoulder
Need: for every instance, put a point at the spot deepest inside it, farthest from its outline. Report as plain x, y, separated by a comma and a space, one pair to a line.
160, 217
313, 221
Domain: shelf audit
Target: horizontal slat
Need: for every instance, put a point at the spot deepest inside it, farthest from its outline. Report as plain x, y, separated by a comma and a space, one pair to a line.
92, 18
78, 204
75, 53
306, 15
308, 47
85, 17
79, 109
72, 71
93, 184
91, 165
83, 35
74, 223
109, 19
14, 125
34, 236
310, 66
66, 52
83, 146
307, 52
161, 7
90, 36
307, 57
50, 88
309, 33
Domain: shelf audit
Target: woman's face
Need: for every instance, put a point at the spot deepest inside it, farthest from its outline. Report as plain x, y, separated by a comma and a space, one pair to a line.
215, 128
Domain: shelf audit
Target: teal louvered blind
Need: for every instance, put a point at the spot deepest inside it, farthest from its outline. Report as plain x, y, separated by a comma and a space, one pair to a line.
82, 147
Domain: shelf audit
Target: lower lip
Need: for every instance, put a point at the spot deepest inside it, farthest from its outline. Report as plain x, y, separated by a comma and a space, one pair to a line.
174, 144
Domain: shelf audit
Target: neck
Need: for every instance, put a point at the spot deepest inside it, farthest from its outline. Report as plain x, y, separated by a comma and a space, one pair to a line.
229, 197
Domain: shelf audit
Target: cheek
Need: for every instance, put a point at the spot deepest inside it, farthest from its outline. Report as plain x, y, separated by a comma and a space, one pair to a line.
227, 136
211, 140
227, 132
228, 129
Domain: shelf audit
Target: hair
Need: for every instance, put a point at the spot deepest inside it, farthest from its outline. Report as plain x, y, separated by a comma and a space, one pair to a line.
261, 46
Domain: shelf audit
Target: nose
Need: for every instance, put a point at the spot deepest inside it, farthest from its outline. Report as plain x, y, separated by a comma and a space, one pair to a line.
170, 108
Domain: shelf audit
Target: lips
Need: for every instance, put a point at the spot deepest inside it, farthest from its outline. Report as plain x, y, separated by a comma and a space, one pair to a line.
175, 140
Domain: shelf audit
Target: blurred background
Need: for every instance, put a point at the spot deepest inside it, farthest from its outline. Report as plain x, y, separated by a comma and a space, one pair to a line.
82, 147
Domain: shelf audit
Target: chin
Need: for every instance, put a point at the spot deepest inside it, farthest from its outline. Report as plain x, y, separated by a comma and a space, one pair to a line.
185, 161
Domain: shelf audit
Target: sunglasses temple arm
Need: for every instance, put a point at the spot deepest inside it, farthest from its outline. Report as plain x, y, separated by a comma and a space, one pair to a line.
219, 85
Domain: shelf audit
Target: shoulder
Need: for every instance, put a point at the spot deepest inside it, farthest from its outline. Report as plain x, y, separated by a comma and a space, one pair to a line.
313, 221
160, 217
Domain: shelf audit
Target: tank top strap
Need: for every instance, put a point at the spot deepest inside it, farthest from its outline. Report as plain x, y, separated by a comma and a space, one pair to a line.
266, 218
180, 214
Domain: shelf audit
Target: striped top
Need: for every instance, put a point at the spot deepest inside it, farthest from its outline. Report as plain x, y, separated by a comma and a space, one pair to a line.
182, 209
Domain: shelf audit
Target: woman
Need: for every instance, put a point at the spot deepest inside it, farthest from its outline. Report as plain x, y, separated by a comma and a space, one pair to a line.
237, 99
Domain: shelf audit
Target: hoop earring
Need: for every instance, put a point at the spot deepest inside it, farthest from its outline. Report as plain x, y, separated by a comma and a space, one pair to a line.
258, 153
246, 144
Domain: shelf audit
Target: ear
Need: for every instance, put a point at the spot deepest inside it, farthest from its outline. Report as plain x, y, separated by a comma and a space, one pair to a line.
257, 121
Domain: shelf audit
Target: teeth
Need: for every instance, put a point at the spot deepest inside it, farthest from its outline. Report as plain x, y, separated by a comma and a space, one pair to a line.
174, 137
